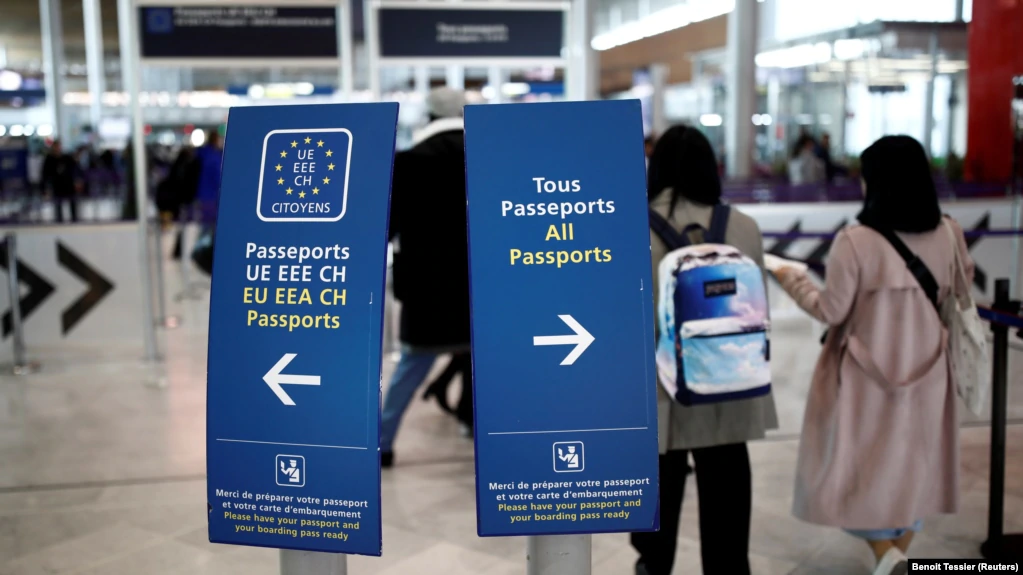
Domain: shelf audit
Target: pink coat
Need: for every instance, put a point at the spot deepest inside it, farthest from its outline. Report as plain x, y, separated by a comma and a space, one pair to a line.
880, 441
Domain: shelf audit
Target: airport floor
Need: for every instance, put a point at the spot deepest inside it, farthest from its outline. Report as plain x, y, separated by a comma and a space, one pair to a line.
102, 472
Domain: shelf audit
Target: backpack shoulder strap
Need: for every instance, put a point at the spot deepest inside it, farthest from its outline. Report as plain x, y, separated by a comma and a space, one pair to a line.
718, 224
662, 227
916, 266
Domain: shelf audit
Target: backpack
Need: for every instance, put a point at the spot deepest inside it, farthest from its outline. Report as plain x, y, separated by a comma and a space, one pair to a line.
713, 343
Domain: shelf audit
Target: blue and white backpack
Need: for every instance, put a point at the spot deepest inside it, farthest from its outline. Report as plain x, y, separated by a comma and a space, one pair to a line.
713, 344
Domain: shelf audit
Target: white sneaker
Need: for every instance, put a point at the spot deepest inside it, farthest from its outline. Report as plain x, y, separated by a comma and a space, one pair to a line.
894, 562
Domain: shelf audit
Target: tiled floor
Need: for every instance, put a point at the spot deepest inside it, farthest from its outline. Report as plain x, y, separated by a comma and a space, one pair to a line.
102, 464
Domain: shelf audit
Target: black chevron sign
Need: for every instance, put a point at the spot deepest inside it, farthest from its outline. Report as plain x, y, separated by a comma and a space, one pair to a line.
38, 289
99, 287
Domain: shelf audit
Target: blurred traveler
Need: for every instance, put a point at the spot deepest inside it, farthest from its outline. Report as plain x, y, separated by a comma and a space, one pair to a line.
683, 187
129, 208
882, 454
209, 159
177, 191
62, 177
648, 148
431, 261
86, 163
804, 166
461, 365
823, 151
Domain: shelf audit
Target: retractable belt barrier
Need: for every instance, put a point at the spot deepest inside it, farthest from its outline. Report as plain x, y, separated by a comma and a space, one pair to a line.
1003, 314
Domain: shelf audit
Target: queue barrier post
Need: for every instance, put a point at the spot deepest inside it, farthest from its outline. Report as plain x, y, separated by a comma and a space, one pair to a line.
21, 365
1000, 546
313, 563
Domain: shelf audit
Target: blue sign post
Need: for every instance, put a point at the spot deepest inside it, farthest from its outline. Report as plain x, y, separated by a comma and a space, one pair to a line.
562, 317
296, 316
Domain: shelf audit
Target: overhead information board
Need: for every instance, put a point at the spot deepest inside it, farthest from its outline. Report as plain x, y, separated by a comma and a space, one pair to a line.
296, 315
260, 31
562, 319
407, 32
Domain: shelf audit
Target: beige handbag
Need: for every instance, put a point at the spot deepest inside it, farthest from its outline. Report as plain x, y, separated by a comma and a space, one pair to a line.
967, 336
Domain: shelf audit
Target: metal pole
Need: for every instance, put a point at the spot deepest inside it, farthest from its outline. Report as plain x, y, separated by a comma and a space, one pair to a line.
994, 546
21, 364
1017, 263
312, 563
141, 187
344, 45
559, 555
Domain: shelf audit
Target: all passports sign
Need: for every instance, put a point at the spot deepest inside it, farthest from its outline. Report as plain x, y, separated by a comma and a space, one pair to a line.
295, 328
566, 425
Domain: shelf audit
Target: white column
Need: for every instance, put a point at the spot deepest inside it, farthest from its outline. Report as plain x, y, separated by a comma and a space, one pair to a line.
421, 80
582, 74
929, 103
742, 49
93, 20
346, 60
495, 77
659, 80
843, 103
456, 77
124, 42
372, 46
953, 103
774, 111
52, 30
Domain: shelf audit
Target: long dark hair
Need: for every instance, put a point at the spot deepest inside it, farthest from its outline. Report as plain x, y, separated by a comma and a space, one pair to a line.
900, 191
684, 161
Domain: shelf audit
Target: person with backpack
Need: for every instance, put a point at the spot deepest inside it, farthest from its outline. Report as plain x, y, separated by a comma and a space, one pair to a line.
879, 450
712, 355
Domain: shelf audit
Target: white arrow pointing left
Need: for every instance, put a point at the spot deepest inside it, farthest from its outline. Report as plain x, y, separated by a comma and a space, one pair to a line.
275, 379
581, 339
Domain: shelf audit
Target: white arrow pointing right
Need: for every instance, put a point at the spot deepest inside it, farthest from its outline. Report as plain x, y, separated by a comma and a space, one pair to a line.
582, 339
275, 379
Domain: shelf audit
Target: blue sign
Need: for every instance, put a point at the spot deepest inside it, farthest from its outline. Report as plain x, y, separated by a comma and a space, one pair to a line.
296, 316
408, 32
562, 318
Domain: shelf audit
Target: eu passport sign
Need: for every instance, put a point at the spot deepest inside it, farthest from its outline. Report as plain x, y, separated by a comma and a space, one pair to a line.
296, 316
562, 319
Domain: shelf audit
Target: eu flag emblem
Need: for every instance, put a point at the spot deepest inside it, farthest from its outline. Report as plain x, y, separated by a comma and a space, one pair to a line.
304, 175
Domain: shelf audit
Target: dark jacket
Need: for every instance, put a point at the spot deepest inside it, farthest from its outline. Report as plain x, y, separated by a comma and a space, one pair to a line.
60, 174
431, 263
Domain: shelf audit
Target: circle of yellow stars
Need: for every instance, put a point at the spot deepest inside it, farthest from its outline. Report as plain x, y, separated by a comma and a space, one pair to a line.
326, 179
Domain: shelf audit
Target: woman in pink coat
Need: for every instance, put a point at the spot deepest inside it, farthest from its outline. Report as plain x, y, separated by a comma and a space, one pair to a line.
880, 446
